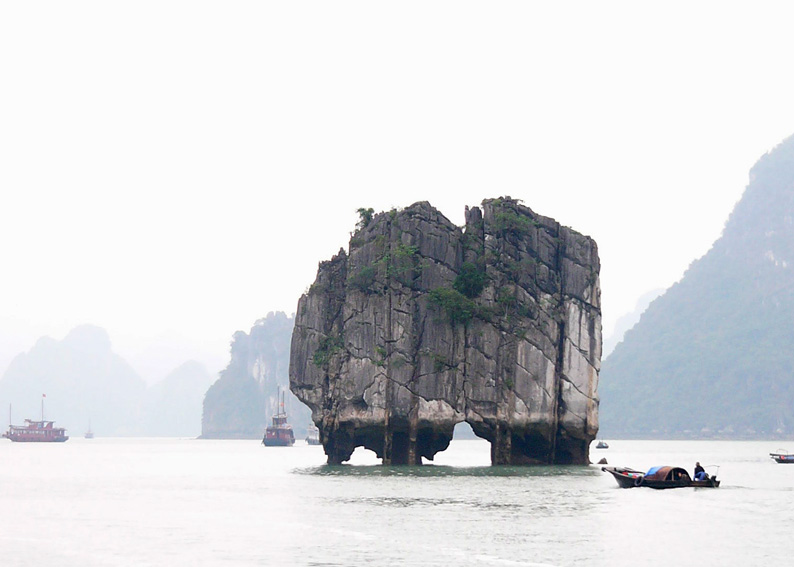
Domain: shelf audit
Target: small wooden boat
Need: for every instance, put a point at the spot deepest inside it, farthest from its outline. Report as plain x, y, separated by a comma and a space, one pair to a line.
625, 477
659, 478
783, 457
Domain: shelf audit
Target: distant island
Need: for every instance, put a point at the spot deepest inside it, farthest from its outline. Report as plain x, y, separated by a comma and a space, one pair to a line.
85, 381
713, 357
240, 404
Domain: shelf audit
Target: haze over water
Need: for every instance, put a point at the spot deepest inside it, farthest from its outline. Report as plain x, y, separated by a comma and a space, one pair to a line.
187, 502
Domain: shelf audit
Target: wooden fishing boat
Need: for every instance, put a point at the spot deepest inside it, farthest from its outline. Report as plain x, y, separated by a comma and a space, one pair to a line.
625, 477
659, 478
783, 457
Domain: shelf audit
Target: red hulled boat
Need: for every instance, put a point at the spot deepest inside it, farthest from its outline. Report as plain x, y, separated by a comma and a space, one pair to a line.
36, 432
279, 434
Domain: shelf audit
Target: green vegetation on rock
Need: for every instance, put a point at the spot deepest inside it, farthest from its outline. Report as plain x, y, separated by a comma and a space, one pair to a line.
364, 216
471, 280
458, 308
363, 279
329, 346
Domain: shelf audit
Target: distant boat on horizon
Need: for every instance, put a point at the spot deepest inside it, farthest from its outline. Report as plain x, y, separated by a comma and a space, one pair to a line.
279, 434
89, 434
313, 435
35, 431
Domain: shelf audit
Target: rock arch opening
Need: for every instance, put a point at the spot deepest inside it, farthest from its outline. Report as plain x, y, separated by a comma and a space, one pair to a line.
402, 445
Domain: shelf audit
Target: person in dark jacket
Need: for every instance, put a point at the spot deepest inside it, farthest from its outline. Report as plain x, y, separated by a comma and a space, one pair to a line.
700, 472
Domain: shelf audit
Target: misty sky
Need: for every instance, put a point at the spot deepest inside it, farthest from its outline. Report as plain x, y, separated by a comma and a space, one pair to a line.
173, 171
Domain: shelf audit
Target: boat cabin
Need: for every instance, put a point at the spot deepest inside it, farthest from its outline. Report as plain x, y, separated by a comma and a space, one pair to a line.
670, 474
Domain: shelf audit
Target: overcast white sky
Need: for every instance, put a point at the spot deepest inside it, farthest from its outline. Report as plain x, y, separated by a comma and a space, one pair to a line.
173, 170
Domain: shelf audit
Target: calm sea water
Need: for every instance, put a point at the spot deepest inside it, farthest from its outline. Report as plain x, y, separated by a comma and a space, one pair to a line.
188, 502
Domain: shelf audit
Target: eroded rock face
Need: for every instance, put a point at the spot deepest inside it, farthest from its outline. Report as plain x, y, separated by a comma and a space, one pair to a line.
422, 325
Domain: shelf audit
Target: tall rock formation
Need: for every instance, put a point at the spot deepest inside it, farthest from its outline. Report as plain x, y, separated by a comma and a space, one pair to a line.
714, 356
241, 402
422, 325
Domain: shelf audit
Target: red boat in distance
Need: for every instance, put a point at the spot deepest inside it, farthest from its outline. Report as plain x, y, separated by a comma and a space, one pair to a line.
36, 432
279, 434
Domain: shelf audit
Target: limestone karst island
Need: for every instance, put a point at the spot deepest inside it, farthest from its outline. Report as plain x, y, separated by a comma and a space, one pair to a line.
422, 324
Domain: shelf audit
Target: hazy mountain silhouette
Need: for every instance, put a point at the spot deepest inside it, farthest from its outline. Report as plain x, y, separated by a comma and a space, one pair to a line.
242, 401
84, 380
172, 407
714, 355
627, 321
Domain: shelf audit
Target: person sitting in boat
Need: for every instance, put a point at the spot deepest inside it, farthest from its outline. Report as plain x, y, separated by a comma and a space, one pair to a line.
700, 472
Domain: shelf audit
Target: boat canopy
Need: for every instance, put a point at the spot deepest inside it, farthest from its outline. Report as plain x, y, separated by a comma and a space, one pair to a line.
666, 473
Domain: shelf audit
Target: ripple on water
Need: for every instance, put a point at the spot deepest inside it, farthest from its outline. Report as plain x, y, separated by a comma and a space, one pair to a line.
410, 502
446, 471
